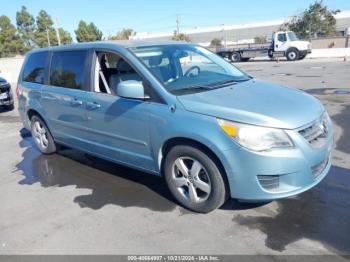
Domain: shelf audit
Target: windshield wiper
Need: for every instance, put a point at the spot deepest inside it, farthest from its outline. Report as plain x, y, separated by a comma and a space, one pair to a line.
193, 88
210, 86
223, 83
196, 87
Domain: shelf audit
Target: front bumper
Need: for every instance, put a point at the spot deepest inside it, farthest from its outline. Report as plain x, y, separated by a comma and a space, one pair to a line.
305, 52
6, 102
264, 176
6, 96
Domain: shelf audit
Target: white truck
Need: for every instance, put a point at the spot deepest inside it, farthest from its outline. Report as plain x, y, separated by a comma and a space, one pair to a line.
284, 44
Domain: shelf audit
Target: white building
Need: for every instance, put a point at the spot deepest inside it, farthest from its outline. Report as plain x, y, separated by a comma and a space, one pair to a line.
238, 33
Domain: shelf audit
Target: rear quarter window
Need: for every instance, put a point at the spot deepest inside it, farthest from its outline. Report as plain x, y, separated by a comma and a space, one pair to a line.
67, 69
35, 69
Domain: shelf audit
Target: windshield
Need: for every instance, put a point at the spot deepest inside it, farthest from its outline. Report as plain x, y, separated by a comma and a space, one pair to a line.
292, 36
188, 68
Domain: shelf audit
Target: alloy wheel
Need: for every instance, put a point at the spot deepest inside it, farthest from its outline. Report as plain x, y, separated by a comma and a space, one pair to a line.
40, 135
191, 179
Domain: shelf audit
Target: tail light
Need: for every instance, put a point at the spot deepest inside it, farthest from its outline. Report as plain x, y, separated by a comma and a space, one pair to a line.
18, 91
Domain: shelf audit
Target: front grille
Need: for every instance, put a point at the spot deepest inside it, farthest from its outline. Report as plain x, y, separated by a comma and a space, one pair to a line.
269, 182
5, 89
315, 133
318, 169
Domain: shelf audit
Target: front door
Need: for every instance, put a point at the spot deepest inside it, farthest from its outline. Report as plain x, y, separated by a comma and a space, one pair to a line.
280, 42
118, 126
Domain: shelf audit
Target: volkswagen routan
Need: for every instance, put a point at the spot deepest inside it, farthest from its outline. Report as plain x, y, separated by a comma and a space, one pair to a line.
179, 111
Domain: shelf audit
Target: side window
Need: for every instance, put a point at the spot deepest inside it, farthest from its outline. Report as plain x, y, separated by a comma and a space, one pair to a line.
35, 69
282, 37
67, 69
110, 71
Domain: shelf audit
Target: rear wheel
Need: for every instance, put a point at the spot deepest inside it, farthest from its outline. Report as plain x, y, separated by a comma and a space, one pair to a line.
194, 179
270, 54
42, 136
235, 57
292, 54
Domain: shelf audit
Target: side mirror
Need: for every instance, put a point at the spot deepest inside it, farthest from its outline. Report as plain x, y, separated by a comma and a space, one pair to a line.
132, 89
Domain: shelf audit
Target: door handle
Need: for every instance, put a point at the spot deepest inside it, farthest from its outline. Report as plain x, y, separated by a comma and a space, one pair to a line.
76, 102
92, 105
48, 97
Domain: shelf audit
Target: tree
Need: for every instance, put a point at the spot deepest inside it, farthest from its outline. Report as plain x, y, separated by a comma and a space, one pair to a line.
260, 40
10, 42
314, 21
87, 32
26, 28
216, 42
180, 37
45, 33
123, 34
65, 36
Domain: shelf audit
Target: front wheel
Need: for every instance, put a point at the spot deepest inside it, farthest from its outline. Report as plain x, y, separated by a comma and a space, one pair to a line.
42, 136
292, 54
194, 179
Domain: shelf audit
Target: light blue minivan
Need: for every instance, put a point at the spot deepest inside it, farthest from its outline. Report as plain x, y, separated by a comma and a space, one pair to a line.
177, 110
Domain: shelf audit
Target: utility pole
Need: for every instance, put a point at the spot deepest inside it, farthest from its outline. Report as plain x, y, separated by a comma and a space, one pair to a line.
48, 37
224, 36
58, 36
57, 33
177, 25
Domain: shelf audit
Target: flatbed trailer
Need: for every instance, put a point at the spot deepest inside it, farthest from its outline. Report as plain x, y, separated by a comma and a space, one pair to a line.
284, 44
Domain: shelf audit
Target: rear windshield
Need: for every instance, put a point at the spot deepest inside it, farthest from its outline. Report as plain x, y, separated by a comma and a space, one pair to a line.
35, 68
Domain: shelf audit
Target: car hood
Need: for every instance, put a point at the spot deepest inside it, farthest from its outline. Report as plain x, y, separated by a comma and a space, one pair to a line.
2, 80
302, 45
258, 103
3, 83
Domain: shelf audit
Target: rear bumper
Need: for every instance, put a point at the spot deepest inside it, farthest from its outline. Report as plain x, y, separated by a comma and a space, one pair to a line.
265, 176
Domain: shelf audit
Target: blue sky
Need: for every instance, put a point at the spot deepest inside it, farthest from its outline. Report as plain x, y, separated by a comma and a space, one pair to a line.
154, 16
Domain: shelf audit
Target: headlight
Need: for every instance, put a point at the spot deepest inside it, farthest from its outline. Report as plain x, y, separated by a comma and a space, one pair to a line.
326, 122
255, 137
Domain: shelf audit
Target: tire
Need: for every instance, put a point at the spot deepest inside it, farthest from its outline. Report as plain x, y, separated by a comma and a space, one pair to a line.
292, 54
270, 54
201, 191
235, 57
42, 136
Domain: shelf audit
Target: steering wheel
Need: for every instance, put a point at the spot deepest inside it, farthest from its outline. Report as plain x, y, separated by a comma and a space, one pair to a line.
191, 69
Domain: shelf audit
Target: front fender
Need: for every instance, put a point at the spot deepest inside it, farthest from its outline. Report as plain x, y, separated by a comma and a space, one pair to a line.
188, 125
